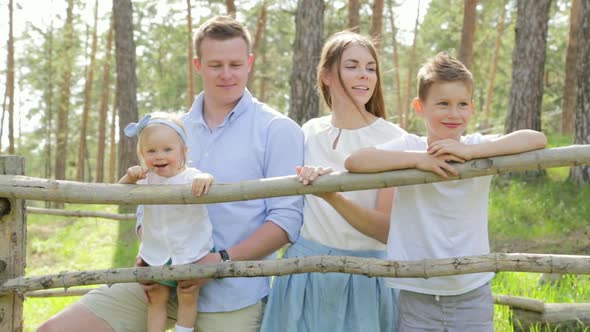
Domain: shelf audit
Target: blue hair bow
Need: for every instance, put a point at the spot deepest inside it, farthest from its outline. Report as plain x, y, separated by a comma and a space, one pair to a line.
133, 129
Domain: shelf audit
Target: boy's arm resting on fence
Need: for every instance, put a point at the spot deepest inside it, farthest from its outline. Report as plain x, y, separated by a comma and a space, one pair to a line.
515, 142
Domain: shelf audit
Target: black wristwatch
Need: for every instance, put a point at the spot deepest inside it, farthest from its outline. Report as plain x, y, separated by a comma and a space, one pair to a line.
224, 256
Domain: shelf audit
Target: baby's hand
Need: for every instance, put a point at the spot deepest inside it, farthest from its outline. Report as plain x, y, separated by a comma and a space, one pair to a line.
202, 183
437, 165
451, 147
135, 173
308, 174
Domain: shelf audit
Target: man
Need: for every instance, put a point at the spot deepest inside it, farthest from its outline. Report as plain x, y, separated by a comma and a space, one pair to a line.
234, 137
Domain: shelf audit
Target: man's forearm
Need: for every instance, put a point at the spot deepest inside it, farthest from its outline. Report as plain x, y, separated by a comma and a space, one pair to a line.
267, 239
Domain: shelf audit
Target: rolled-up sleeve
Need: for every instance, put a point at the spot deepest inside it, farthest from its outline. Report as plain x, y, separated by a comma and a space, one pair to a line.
284, 153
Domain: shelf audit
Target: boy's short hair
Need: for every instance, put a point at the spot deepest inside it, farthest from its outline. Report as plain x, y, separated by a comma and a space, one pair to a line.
442, 68
220, 28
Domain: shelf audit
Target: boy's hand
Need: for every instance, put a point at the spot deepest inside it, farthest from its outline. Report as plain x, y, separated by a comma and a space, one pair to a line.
438, 165
136, 173
451, 147
202, 183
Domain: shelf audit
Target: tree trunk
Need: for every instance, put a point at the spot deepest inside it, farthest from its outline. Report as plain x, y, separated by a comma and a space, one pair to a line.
469, 22
581, 174
377, 23
568, 105
10, 78
408, 95
260, 25
104, 101
61, 152
126, 81
113, 143
231, 8
82, 149
309, 27
396, 68
528, 62
191, 69
261, 93
354, 20
492, 78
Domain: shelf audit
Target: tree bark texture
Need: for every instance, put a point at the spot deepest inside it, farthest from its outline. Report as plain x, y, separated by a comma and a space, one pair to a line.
568, 106
113, 143
191, 69
409, 79
10, 78
231, 8
104, 104
492, 78
370, 267
581, 175
528, 63
64, 104
396, 69
100, 193
354, 19
467, 32
309, 27
13, 231
82, 149
126, 81
260, 26
377, 23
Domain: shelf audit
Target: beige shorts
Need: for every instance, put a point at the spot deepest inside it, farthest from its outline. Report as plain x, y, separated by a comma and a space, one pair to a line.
124, 308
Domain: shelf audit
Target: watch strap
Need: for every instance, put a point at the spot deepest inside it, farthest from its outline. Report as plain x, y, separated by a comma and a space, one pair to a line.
224, 255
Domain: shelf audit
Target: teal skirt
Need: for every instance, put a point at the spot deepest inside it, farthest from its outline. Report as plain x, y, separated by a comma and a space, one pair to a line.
335, 302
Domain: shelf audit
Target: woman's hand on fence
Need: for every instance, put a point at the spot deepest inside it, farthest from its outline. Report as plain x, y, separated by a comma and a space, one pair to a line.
308, 174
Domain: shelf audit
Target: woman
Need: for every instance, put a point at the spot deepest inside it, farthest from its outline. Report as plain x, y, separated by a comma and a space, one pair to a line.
349, 82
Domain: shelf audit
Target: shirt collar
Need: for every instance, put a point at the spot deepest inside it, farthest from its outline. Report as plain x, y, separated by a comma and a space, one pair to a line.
195, 114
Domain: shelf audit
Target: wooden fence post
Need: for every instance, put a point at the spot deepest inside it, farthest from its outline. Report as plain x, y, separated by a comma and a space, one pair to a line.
13, 232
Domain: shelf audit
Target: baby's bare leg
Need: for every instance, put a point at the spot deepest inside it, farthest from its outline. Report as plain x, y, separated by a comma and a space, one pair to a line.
187, 308
156, 311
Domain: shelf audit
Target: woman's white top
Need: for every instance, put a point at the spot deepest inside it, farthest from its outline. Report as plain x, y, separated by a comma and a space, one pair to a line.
439, 220
321, 222
180, 232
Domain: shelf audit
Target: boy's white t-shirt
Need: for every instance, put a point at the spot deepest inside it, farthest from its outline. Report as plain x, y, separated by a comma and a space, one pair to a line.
321, 222
178, 232
439, 220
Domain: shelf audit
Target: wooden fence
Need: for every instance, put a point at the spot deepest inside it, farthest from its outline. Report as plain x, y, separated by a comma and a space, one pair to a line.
15, 188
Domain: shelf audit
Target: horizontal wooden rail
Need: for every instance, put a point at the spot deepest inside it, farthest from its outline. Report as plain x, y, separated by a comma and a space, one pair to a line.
78, 213
22, 187
324, 264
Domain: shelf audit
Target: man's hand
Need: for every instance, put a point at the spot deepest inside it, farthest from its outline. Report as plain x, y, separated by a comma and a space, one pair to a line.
189, 286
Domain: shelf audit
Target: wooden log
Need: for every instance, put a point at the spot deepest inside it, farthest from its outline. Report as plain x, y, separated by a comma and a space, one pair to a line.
520, 302
13, 235
96, 193
78, 213
58, 293
555, 317
343, 264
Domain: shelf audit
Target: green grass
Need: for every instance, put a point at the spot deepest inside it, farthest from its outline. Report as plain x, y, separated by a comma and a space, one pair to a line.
57, 244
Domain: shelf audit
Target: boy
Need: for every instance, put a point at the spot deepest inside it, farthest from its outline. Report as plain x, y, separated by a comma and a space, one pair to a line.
446, 219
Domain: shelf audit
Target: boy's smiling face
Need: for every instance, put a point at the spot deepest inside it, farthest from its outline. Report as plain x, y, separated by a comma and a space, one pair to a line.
446, 111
